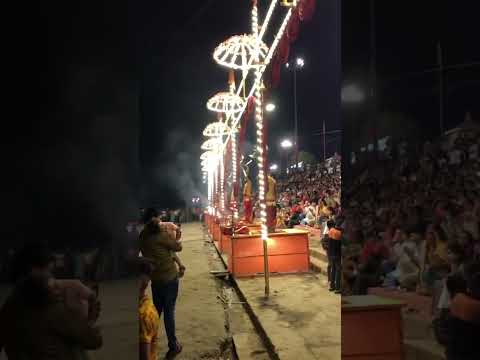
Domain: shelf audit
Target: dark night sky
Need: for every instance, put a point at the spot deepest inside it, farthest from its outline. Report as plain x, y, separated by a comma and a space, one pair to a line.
180, 75
74, 169
75, 165
122, 91
407, 36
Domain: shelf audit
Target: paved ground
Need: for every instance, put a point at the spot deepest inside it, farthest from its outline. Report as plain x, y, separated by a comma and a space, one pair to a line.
301, 318
119, 320
200, 316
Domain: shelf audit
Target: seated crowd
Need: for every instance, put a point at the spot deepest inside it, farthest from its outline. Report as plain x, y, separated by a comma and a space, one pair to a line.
413, 223
310, 196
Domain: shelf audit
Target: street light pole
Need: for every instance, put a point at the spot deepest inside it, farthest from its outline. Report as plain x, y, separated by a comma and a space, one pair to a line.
440, 85
295, 113
285, 145
373, 77
324, 142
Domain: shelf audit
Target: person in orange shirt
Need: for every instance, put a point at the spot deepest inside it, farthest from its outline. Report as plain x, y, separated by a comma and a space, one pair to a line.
149, 320
464, 322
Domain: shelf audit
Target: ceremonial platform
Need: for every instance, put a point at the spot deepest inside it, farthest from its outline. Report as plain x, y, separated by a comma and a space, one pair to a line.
287, 253
288, 250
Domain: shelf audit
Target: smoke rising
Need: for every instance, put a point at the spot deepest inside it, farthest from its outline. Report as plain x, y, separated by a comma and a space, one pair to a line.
180, 168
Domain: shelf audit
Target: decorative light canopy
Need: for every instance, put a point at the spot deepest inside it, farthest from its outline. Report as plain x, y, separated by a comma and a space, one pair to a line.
212, 144
225, 102
238, 52
216, 129
207, 155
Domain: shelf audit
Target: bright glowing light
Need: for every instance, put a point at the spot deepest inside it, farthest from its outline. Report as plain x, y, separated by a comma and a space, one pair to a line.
244, 52
206, 155
281, 31
273, 3
289, 3
222, 185
270, 107
286, 144
279, 35
225, 102
274, 167
212, 144
255, 21
300, 62
259, 123
237, 52
234, 175
352, 94
216, 129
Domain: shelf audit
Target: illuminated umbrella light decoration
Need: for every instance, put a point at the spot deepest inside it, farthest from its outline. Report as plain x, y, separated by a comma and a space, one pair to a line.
238, 51
216, 129
225, 102
213, 144
245, 53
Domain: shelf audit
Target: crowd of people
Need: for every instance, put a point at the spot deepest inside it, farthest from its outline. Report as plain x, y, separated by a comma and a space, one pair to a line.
310, 195
412, 223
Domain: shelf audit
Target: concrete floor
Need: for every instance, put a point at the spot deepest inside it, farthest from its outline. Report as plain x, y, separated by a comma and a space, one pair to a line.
199, 315
301, 317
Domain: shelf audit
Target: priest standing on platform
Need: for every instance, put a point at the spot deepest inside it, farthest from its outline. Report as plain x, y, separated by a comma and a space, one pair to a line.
271, 200
247, 201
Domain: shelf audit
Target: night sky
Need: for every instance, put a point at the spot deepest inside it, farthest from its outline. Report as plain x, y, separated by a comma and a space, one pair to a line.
121, 107
74, 156
179, 76
123, 87
407, 36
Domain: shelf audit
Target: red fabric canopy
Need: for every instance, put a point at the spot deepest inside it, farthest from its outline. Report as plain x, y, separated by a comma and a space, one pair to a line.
303, 12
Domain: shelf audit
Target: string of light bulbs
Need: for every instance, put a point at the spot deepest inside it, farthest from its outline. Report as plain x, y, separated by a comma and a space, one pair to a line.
261, 70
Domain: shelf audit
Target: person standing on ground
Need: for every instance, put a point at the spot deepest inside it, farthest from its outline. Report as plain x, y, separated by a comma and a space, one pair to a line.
157, 242
334, 256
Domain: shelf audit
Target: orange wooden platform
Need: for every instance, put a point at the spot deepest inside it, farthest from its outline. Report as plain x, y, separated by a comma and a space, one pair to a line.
224, 243
420, 303
372, 328
288, 252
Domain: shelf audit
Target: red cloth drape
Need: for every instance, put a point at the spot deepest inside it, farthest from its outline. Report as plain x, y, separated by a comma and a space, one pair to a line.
244, 120
275, 72
293, 27
304, 12
306, 9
